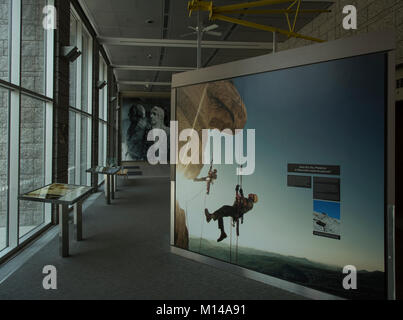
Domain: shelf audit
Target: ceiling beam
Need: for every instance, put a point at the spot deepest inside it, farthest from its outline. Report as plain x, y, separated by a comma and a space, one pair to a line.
184, 43
152, 68
145, 83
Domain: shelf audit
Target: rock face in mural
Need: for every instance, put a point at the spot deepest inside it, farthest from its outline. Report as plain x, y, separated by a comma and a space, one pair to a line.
215, 105
181, 237
138, 118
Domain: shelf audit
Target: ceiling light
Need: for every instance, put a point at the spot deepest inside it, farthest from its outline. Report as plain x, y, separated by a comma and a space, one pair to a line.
150, 21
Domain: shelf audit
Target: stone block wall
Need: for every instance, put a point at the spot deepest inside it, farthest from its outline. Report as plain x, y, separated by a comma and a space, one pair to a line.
3, 156
32, 133
4, 75
33, 115
372, 15
4, 37
33, 46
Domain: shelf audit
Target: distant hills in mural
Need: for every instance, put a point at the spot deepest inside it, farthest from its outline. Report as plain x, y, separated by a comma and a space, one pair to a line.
302, 271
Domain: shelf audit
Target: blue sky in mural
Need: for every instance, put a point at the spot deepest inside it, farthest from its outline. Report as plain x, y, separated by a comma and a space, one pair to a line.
328, 113
331, 209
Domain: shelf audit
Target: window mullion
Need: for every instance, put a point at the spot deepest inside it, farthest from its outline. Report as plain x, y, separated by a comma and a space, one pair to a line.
49, 59
15, 105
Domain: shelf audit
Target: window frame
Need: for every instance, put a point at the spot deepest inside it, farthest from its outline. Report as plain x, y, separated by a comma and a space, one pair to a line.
78, 110
16, 90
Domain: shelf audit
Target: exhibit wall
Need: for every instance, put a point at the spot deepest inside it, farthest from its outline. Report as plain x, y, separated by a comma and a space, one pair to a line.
138, 117
319, 174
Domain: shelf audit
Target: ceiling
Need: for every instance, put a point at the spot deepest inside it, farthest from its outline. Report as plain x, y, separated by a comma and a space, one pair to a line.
128, 19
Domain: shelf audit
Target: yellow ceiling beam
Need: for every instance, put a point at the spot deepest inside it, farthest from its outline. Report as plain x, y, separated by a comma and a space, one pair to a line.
217, 13
263, 27
247, 5
274, 11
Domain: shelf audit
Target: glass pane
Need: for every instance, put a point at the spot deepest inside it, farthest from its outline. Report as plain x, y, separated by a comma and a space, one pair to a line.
84, 150
101, 160
4, 39
32, 161
72, 148
73, 65
84, 72
105, 93
101, 92
101, 145
4, 102
33, 43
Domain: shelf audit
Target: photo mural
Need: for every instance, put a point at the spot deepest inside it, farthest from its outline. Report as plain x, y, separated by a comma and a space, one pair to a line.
139, 116
315, 201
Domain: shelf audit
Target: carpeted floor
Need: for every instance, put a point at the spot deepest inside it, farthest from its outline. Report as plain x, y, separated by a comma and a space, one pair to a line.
125, 255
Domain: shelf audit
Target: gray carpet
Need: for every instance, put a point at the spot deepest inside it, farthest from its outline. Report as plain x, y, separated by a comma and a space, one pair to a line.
126, 255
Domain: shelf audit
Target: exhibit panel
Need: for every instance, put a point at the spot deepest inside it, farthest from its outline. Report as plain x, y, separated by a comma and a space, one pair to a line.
138, 117
312, 196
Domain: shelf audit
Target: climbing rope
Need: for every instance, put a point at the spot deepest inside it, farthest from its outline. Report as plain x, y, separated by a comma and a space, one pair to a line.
201, 225
236, 250
230, 240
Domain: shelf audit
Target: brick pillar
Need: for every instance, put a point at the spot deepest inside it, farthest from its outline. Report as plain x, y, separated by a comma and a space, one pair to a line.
61, 95
111, 93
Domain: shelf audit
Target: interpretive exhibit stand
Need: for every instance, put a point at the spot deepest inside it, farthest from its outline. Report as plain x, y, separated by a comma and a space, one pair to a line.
63, 195
311, 210
110, 180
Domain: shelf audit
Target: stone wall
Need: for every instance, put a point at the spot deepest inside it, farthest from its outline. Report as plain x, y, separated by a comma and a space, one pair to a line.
3, 156
372, 15
4, 74
4, 35
32, 134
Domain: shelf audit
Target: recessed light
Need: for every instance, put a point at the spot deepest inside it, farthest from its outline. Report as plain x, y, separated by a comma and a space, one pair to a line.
149, 21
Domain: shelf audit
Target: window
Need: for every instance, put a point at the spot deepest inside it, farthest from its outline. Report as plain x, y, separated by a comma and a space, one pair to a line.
5, 10
102, 144
80, 115
4, 112
72, 148
33, 44
103, 114
26, 114
32, 161
86, 70
73, 65
85, 151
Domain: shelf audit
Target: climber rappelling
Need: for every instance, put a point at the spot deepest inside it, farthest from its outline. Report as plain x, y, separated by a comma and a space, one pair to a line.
241, 206
209, 179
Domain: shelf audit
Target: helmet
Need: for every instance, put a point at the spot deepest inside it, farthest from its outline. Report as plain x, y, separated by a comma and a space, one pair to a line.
253, 197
